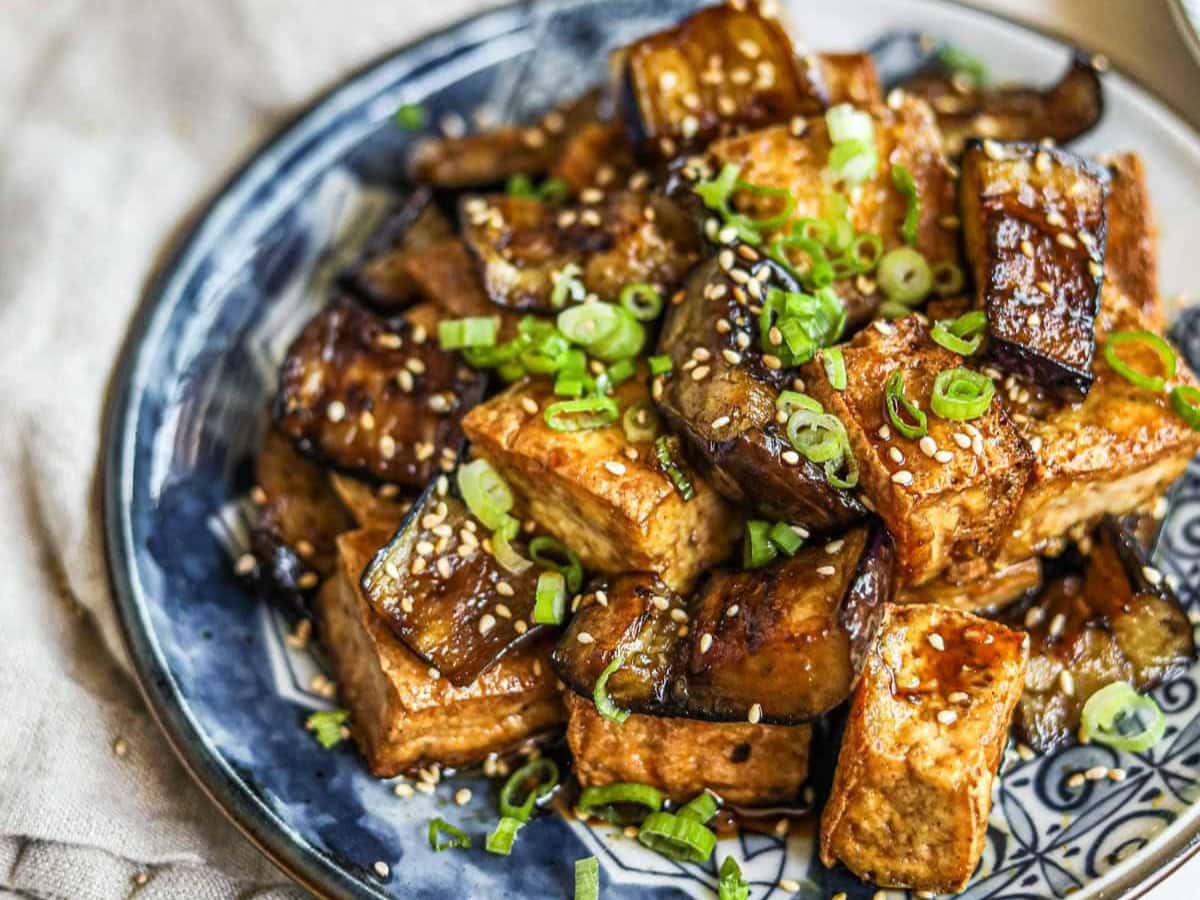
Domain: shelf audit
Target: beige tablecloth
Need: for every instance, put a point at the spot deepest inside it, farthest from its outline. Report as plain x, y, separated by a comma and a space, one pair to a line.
117, 117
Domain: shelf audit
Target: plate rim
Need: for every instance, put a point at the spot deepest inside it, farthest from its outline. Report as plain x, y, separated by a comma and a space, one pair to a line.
1189, 27
249, 814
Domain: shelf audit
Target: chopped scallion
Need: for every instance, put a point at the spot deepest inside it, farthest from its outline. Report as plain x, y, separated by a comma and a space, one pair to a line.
903, 180
326, 726
486, 494
834, 363
1118, 702
581, 415
903, 414
963, 335
587, 879
661, 364
665, 449
786, 538
700, 808
550, 599
476, 331
960, 394
904, 276
1185, 400
604, 703
500, 841
645, 301
677, 837
757, 549
731, 885
554, 554
623, 803
457, 837
533, 781
1167, 359
411, 116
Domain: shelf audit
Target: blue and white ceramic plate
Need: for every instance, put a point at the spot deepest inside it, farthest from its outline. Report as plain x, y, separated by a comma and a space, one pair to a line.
214, 663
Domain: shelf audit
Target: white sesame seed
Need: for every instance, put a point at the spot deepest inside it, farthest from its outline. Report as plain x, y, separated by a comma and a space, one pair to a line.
403, 789
1057, 624
959, 697
732, 611
943, 456
1075, 781
1034, 616
755, 714
1152, 575
791, 457
462, 796
1025, 752
961, 439
585, 638
928, 445
720, 421
1116, 774
1066, 681
615, 468
336, 411
947, 716
834, 546
705, 642
486, 623
529, 405
896, 455
381, 869
903, 477
246, 563
936, 641
885, 433
1096, 773
826, 570
789, 885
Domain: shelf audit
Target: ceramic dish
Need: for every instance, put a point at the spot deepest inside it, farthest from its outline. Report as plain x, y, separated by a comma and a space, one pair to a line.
216, 667
1187, 17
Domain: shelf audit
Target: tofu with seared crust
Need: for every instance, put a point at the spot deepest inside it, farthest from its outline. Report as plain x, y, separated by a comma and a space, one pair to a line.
928, 723
603, 496
402, 715
744, 764
1131, 261
948, 500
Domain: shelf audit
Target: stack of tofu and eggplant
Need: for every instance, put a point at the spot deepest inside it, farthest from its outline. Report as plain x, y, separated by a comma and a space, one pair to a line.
730, 408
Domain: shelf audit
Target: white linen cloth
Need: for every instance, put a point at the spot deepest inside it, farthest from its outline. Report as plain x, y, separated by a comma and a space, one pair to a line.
117, 117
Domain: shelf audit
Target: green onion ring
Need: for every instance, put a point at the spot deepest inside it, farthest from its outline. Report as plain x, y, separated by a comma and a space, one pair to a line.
1116, 701
458, 838
960, 394
588, 323
1185, 400
501, 840
604, 703
817, 436
486, 494
700, 808
757, 549
644, 300
640, 423
963, 335
789, 401
948, 279
677, 838
605, 802
508, 557
550, 599
623, 343
904, 415
903, 180
904, 276
1166, 355
587, 879
834, 363
544, 775
581, 415
561, 559
833, 466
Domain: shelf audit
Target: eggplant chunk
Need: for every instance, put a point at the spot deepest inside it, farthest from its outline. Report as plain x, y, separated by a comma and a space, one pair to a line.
991, 592
728, 416
1118, 622
404, 716
602, 495
1036, 227
949, 510
851, 78
913, 786
380, 277
1115, 452
598, 155
718, 71
299, 518
744, 764
375, 397
781, 645
1131, 260
381, 507
445, 274
905, 135
522, 245
439, 590
1066, 110
489, 157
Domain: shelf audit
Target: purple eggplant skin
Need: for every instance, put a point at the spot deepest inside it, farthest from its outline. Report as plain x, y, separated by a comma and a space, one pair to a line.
873, 587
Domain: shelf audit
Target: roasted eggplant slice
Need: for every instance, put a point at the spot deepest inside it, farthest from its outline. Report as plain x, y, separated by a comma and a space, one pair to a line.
718, 71
991, 592
598, 155
851, 78
1120, 621
445, 274
445, 595
1036, 229
375, 397
381, 277
781, 645
522, 245
720, 398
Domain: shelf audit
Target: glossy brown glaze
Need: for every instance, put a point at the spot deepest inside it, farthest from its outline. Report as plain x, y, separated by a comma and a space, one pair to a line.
382, 507
1131, 261
373, 396
851, 78
727, 417
991, 592
598, 155
1035, 224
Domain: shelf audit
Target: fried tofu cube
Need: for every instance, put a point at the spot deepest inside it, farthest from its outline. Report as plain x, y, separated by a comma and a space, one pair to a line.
603, 496
905, 135
744, 764
1113, 453
1131, 261
1035, 224
913, 786
949, 500
404, 716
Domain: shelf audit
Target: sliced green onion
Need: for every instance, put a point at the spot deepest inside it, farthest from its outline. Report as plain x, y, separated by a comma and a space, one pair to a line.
581, 415
960, 62
486, 494
616, 803
604, 703
1185, 400
587, 879
621, 371
864, 252
677, 838
789, 401
819, 437
834, 363
664, 449
904, 276
960, 394
645, 301
458, 837
640, 423
550, 599
1119, 701
555, 555
326, 726
623, 343
845, 123
508, 558
570, 385
476, 331
535, 780
757, 549
819, 272
567, 284
553, 189
520, 185
904, 415
1166, 356
963, 335
588, 323
903, 180
833, 468
700, 808
890, 309
501, 840
411, 116
660, 365
546, 353
731, 885
784, 537
948, 279
715, 193
853, 162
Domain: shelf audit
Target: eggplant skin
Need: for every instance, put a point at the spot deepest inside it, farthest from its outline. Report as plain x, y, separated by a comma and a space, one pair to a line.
1036, 227
433, 588
674, 99
1112, 623
744, 457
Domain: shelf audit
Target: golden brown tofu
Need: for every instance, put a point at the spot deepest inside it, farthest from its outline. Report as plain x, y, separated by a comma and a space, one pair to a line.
948, 501
1131, 260
1035, 224
401, 716
993, 591
743, 764
380, 508
913, 786
603, 496
905, 135
374, 396
1113, 453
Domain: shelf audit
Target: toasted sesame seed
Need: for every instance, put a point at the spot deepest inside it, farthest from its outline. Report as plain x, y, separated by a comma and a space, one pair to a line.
1065, 240
585, 638
1066, 681
726, 260
826, 570
936, 641
895, 454
307, 580
381, 869
834, 546
993, 150
120, 747
958, 697
1076, 781
755, 714
1027, 248
462, 796
1152, 575
1025, 752
486, 623
246, 563
943, 456
789, 885
791, 457
732, 611
771, 361
705, 642
402, 789
885, 433
660, 602
1116, 774
1096, 773
1034, 616
336, 411
902, 477
700, 373
928, 445
1057, 624
884, 328
947, 716
720, 421
616, 468
961, 439
679, 615
1055, 220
